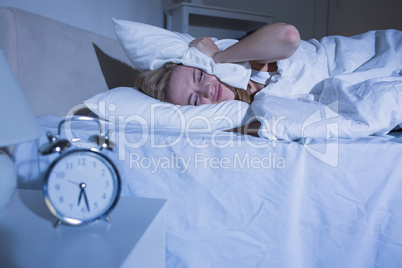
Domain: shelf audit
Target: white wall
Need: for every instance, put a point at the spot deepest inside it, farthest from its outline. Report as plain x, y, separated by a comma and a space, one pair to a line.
94, 15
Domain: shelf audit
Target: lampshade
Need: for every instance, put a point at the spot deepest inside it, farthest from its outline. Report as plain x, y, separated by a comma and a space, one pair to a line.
17, 123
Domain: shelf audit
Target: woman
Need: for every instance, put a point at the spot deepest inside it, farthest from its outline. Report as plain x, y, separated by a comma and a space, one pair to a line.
185, 85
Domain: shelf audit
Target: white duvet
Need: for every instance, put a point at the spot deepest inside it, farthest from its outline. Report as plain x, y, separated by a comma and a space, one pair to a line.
337, 87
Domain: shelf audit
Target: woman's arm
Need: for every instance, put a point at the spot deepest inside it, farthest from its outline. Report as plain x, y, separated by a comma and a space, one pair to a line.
270, 43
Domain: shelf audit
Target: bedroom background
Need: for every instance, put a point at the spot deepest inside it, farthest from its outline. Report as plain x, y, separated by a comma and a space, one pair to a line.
333, 203
313, 18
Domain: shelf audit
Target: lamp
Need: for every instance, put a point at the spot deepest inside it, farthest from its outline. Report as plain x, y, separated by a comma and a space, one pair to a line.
17, 124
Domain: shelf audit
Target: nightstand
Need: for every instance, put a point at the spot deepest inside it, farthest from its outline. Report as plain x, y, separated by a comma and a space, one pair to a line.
179, 17
134, 238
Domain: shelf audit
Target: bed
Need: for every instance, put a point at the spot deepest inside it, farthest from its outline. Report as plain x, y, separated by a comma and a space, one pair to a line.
326, 199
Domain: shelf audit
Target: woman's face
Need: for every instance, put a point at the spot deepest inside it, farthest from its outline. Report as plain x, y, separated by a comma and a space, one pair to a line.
191, 86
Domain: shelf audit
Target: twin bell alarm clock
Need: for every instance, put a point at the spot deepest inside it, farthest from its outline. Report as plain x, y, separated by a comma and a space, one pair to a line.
80, 186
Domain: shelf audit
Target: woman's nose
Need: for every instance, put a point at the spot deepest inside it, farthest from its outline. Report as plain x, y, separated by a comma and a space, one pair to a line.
206, 90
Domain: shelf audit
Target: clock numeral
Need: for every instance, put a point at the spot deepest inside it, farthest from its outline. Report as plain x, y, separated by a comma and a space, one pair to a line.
57, 187
104, 196
107, 184
69, 165
60, 175
103, 172
84, 210
71, 206
95, 205
61, 199
81, 161
94, 164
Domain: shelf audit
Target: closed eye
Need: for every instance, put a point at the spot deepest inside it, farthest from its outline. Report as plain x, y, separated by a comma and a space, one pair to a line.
196, 99
193, 99
200, 76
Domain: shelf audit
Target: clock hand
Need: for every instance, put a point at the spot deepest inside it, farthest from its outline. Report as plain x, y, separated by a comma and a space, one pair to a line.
86, 200
79, 198
82, 186
73, 182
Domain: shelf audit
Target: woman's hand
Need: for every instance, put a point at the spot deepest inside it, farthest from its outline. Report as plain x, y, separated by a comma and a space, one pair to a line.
205, 45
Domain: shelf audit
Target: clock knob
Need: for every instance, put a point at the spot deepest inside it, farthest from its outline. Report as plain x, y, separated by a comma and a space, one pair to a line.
54, 145
103, 141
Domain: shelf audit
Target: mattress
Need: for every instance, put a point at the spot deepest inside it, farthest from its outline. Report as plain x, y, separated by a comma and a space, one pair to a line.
242, 201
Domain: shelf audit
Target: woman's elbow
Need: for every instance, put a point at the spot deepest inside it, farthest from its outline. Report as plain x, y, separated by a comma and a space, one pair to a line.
291, 38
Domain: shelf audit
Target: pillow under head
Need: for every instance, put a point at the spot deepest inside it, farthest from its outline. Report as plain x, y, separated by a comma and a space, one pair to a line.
128, 105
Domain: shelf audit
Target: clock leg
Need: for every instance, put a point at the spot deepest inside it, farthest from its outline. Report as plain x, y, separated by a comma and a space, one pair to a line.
57, 223
108, 219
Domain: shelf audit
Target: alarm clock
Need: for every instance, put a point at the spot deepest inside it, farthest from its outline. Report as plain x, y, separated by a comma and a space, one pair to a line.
81, 185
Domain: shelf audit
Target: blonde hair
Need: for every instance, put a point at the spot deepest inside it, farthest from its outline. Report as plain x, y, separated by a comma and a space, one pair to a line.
155, 83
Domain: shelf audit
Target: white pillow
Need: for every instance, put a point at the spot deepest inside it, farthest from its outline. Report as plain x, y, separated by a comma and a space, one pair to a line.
128, 105
149, 47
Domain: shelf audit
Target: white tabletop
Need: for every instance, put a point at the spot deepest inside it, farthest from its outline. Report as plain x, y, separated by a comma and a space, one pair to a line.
28, 238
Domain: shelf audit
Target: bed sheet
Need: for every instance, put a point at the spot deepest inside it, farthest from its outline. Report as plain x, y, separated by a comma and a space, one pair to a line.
336, 87
240, 201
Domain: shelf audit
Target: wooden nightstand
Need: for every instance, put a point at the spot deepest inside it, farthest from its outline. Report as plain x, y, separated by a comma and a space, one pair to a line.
135, 238
181, 16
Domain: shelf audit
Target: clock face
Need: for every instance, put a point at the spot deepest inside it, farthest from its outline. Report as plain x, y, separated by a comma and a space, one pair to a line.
81, 186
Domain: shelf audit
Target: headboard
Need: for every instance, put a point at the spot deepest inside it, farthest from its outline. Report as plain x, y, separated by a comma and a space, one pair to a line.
58, 66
